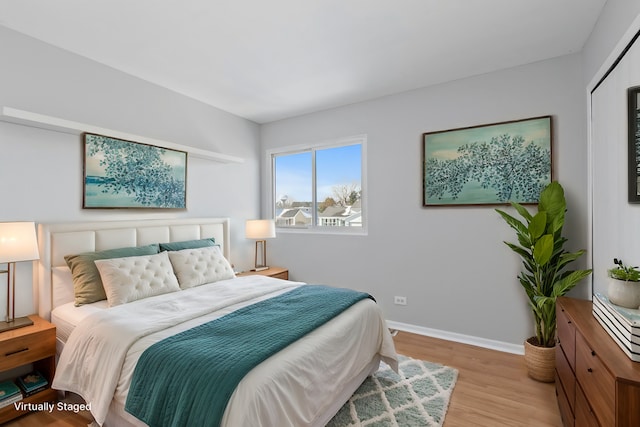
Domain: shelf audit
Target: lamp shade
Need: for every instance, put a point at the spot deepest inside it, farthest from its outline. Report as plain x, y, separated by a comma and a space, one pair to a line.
260, 229
18, 242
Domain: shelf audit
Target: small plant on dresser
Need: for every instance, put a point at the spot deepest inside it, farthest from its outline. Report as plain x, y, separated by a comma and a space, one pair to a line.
624, 285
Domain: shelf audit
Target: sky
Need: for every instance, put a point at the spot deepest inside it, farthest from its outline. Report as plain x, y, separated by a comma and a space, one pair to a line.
334, 166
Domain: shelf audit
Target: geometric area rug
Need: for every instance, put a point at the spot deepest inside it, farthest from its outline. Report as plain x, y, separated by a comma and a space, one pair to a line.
418, 396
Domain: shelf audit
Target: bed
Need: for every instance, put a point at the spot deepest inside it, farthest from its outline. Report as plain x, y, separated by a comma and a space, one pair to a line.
304, 382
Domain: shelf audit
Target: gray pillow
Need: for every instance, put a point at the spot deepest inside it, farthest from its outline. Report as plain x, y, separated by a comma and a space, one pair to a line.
87, 285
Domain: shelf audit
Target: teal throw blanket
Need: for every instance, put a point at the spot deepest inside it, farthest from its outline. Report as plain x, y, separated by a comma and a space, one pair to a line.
188, 378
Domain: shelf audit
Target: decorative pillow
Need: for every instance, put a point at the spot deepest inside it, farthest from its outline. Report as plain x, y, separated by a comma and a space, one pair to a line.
133, 278
87, 285
195, 267
187, 244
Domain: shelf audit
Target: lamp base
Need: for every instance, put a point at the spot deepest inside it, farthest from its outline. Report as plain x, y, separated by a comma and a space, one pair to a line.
20, 322
261, 268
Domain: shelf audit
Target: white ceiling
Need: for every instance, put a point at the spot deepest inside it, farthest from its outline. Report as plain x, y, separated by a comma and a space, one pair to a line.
270, 59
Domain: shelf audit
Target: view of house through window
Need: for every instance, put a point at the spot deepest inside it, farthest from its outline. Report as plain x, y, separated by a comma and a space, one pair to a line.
319, 186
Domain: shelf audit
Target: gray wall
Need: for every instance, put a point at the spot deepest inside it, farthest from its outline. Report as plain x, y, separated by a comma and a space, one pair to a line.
41, 171
614, 20
615, 221
450, 263
458, 277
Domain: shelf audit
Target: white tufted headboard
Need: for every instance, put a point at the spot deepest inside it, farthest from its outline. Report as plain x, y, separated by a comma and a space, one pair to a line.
57, 240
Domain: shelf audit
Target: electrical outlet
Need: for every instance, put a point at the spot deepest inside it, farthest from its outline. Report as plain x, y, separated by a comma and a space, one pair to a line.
400, 300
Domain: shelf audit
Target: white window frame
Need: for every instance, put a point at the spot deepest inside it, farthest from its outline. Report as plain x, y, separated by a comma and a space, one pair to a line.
334, 143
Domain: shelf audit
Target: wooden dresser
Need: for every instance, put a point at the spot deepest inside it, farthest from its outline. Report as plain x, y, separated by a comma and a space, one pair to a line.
596, 383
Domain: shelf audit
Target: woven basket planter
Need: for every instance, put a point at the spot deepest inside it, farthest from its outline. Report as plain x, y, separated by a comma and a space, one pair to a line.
540, 361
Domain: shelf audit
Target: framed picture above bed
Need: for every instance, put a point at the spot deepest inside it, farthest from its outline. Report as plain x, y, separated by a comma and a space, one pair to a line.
487, 165
127, 174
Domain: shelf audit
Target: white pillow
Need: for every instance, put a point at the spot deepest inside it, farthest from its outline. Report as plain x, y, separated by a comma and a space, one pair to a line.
132, 278
195, 267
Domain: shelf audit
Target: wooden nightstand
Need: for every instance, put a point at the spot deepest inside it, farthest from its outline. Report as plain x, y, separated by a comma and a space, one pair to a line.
277, 272
35, 344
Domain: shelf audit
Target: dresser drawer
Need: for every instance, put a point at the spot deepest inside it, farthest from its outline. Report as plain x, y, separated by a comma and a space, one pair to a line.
566, 412
597, 382
566, 335
27, 349
584, 415
566, 378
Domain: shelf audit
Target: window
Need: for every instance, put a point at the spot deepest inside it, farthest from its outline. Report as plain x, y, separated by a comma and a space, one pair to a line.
320, 187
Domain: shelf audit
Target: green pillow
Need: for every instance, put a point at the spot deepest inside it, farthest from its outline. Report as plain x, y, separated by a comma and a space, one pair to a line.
187, 244
87, 284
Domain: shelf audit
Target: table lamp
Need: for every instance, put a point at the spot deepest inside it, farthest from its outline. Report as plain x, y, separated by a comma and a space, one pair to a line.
260, 229
17, 243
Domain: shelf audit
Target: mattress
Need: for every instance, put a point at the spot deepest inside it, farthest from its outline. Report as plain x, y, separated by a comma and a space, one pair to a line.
67, 316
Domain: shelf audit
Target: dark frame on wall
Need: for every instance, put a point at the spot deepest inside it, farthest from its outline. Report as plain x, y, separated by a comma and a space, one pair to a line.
491, 164
127, 174
634, 144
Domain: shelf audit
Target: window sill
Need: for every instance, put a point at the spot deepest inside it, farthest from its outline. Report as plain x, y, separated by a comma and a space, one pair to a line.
334, 231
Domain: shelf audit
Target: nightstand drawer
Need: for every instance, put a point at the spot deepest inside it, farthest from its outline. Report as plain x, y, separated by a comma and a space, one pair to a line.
36, 345
27, 349
284, 275
276, 272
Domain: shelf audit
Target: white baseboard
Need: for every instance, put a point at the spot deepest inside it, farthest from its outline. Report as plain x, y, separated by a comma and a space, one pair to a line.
452, 336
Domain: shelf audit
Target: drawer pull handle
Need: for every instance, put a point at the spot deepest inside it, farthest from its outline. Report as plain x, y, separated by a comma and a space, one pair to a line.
589, 370
569, 322
593, 353
17, 351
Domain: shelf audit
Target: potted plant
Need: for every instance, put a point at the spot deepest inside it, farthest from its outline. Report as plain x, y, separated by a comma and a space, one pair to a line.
545, 276
624, 289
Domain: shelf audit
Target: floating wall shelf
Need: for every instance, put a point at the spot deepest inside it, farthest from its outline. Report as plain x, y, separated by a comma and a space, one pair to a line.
27, 118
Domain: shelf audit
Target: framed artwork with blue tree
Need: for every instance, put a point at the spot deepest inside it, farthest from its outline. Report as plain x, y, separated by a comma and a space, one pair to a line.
127, 174
489, 164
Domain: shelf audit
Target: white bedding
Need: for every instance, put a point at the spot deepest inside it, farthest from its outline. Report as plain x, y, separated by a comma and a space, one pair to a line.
67, 316
283, 390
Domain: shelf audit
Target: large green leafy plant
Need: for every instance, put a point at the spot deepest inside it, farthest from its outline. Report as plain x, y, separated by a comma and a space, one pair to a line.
541, 247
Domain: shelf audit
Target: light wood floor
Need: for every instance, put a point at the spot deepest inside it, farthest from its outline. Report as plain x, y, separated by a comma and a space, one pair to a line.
493, 389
